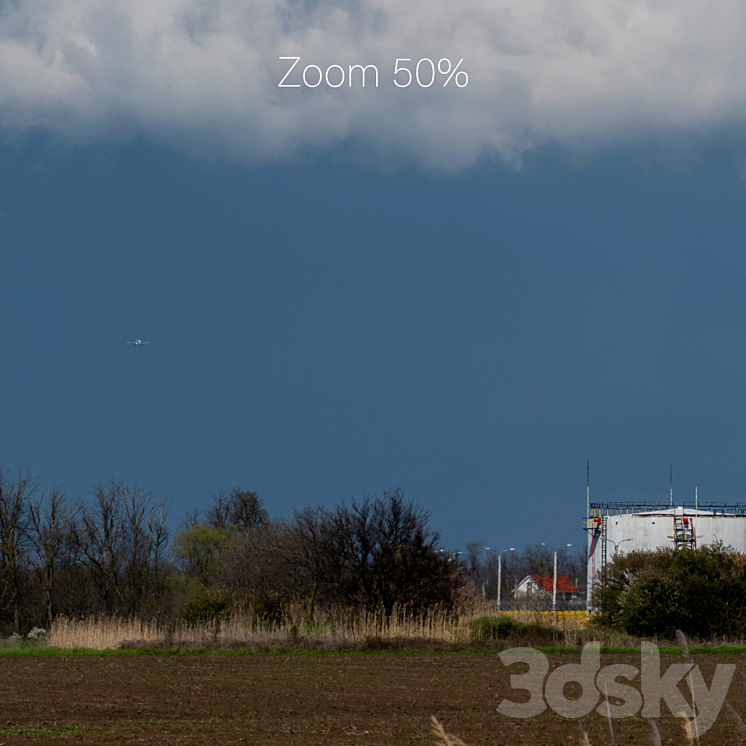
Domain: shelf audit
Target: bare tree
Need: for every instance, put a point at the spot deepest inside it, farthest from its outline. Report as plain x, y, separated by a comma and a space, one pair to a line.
473, 560
382, 555
253, 566
309, 545
190, 520
14, 497
240, 509
48, 534
123, 536
537, 559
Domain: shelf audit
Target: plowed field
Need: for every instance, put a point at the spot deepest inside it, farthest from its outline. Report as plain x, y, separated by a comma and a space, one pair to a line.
308, 700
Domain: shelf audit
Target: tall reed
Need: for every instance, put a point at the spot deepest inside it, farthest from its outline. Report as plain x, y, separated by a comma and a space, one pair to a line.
337, 628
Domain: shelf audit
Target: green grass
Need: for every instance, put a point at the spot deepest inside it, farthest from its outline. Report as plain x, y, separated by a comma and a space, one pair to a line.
56, 731
20, 643
41, 650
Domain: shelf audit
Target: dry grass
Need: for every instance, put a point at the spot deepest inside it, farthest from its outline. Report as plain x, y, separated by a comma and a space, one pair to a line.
338, 630
687, 726
565, 620
99, 633
335, 630
443, 738
655, 734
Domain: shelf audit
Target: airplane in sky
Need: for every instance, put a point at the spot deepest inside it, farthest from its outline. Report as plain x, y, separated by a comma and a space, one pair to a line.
138, 342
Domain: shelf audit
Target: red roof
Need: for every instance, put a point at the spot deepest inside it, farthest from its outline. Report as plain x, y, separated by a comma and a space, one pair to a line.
563, 583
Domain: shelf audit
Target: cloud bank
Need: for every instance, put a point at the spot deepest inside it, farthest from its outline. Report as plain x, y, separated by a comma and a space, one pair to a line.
203, 75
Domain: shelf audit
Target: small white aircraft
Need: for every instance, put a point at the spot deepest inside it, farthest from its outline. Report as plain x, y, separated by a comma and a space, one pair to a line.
138, 342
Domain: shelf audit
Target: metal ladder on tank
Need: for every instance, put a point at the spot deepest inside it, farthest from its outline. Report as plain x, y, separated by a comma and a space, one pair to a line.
683, 533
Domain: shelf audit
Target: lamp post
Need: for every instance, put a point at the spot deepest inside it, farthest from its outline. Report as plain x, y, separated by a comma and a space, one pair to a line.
554, 583
450, 555
617, 544
484, 593
500, 573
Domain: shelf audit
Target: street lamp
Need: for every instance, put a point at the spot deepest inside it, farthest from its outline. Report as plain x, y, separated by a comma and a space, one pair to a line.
500, 573
484, 592
617, 544
453, 555
554, 583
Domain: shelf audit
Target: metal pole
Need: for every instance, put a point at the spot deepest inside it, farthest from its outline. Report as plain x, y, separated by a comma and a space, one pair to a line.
499, 578
500, 573
671, 493
554, 584
589, 541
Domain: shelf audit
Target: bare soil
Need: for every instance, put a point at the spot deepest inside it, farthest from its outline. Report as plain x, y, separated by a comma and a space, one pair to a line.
308, 700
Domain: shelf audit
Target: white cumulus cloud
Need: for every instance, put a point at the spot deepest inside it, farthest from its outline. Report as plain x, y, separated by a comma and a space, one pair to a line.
203, 75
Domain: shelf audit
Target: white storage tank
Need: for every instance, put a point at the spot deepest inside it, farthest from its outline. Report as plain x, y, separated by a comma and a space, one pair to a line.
627, 527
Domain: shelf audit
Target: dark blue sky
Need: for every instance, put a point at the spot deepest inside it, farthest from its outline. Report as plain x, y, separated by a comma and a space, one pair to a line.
326, 330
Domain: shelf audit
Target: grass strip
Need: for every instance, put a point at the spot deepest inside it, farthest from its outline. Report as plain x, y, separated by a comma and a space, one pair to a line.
191, 651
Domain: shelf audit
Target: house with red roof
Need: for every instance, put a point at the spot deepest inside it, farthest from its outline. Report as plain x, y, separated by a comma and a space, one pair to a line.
533, 585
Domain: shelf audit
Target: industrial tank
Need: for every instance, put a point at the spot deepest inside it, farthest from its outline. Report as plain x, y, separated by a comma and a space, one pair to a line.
628, 527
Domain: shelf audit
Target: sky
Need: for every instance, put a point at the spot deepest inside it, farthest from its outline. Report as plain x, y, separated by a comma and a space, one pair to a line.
466, 291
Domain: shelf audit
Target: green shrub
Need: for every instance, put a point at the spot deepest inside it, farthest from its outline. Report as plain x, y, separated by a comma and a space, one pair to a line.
494, 627
506, 628
205, 606
502, 628
701, 591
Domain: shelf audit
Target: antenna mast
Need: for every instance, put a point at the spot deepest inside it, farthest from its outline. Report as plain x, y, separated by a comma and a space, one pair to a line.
671, 498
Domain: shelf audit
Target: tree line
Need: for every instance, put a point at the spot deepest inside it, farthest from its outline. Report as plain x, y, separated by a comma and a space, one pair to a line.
57, 556
113, 554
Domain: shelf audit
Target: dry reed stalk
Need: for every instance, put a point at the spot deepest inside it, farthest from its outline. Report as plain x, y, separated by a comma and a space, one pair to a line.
101, 633
684, 645
655, 734
608, 715
687, 726
440, 735
584, 740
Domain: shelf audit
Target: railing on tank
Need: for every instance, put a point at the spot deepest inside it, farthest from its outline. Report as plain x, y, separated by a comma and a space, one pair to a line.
719, 508
601, 510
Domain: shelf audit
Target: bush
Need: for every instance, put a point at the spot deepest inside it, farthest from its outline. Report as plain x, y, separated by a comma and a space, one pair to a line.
493, 627
206, 606
505, 627
702, 592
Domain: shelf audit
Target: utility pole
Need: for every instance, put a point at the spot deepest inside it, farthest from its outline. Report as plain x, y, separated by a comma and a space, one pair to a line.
554, 583
500, 573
